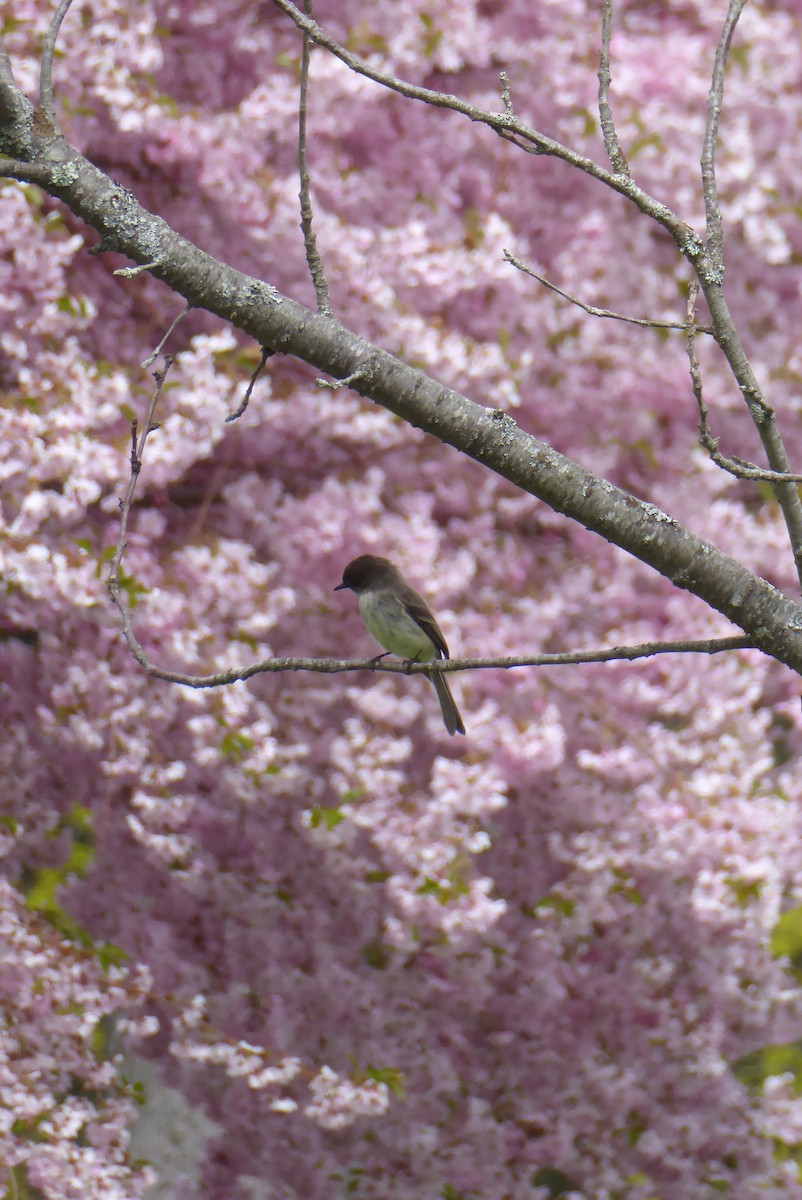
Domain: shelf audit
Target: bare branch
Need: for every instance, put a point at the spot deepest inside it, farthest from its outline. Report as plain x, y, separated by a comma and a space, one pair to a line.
46, 67
132, 272
600, 312
687, 240
738, 467
327, 666
506, 125
333, 666
506, 95
715, 239
310, 241
150, 360
16, 121
363, 375
26, 172
237, 413
491, 438
114, 583
614, 152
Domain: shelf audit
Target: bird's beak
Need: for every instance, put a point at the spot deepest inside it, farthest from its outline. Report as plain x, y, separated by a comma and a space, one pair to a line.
340, 587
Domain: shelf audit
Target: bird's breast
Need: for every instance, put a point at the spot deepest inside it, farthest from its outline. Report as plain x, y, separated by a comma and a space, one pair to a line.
393, 627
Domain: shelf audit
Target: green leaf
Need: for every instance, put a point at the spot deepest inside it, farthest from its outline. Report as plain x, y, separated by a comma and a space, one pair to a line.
321, 817
131, 586
392, 1079
108, 955
236, 745
561, 904
743, 889
781, 1059
785, 940
41, 895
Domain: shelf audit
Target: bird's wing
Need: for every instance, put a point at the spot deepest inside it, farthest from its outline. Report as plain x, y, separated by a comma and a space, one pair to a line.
419, 611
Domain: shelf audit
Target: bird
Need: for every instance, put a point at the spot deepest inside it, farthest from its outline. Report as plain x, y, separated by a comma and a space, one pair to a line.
402, 622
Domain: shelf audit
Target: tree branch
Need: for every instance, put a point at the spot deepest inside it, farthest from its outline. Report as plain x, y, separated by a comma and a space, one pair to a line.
115, 583
334, 666
692, 248
715, 239
491, 438
592, 311
243, 404
614, 152
310, 241
46, 66
734, 466
505, 124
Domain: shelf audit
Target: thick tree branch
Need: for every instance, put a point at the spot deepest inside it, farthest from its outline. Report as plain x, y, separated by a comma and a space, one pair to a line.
117, 590
690, 245
507, 125
492, 438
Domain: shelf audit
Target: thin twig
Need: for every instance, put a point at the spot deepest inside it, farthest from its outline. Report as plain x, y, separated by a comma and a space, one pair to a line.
330, 666
614, 152
310, 241
686, 239
327, 666
738, 467
506, 94
715, 239
132, 272
46, 67
506, 125
334, 385
150, 360
600, 312
26, 172
237, 413
113, 583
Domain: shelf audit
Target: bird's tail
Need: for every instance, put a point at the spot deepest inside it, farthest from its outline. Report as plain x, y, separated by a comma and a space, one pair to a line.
448, 707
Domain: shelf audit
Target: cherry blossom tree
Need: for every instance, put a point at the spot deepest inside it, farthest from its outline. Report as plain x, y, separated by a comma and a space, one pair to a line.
557, 958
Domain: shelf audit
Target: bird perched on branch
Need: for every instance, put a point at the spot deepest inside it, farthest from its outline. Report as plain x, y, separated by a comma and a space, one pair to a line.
401, 621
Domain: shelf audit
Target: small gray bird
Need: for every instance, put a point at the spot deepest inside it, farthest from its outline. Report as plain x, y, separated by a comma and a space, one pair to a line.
400, 620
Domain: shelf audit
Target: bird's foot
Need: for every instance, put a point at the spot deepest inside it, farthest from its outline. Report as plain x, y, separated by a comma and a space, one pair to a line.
378, 659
